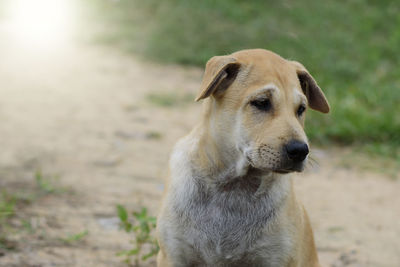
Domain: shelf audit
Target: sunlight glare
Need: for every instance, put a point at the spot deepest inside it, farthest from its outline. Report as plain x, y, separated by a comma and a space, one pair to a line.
40, 22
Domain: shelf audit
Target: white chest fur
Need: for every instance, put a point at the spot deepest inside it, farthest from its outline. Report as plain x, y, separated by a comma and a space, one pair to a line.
230, 223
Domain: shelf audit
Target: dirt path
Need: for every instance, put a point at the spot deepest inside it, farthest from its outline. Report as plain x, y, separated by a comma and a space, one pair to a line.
84, 114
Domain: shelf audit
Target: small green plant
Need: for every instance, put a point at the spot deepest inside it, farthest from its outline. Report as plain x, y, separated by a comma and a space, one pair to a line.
142, 225
74, 238
7, 206
46, 184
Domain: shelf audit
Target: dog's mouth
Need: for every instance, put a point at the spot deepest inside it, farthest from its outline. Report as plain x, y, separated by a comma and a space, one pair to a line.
282, 171
297, 167
284, 168
279, 171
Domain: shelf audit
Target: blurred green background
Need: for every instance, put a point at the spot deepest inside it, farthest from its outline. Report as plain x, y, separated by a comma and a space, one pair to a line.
350, 47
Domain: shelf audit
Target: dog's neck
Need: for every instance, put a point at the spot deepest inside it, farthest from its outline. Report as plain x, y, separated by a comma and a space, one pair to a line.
225, 165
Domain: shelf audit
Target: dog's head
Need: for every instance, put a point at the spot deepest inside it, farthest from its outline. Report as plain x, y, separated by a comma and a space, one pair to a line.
257, 104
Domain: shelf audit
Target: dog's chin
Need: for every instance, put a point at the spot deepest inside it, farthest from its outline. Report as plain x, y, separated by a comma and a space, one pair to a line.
298, 167
281, 170
283, 167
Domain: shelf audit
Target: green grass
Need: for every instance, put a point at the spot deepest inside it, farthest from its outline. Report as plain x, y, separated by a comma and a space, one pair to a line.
164, 99
350, 47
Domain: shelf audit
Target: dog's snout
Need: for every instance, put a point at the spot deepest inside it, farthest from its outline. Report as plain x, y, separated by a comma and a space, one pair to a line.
296, 150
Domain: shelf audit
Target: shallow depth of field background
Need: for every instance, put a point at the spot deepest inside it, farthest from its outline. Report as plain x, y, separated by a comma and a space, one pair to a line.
93, 95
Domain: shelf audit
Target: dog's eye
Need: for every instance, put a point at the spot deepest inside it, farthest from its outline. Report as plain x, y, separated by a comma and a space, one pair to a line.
301, 110
264, 104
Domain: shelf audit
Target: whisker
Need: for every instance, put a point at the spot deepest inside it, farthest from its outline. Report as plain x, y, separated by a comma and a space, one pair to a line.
312, 163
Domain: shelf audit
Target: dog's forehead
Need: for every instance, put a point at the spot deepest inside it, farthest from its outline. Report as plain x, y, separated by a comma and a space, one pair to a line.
263, 66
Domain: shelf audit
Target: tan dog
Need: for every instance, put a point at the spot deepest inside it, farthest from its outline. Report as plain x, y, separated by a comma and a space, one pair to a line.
229, 201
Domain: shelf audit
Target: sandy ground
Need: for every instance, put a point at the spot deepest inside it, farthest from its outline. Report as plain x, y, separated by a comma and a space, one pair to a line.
82, 113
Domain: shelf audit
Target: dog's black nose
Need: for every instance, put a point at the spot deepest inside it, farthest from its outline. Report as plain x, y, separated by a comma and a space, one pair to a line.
296, 150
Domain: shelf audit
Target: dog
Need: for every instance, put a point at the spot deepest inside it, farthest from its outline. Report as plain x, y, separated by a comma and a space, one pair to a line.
230, 200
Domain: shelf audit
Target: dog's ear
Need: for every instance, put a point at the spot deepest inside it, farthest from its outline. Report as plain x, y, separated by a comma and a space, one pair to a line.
315, 96
220, 72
